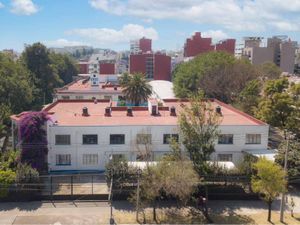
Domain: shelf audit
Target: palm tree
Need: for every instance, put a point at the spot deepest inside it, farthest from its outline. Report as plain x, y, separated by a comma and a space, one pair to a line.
136, 88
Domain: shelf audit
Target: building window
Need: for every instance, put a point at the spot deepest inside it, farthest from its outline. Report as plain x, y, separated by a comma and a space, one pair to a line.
78, 97
90, 139
107, 97
225, 139
63, 160
143, 139
253, 138
225, 157
118, 157
63, 139
90, 159
65, 97
169, 137
117, 139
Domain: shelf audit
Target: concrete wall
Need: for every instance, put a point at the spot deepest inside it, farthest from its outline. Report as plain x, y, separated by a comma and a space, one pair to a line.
104, 149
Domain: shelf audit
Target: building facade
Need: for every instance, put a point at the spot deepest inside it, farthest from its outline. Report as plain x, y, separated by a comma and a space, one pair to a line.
84, 135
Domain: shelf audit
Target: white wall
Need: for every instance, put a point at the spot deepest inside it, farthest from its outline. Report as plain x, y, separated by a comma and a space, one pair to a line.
104, 149
114, 96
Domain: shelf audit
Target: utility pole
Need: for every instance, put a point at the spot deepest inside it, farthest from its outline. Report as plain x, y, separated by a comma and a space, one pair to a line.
282, 203
138, 194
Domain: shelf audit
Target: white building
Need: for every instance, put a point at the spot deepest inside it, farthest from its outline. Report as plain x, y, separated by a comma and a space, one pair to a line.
82, 135
94, 86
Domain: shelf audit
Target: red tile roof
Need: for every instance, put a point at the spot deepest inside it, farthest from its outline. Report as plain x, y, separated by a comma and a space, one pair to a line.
69, 113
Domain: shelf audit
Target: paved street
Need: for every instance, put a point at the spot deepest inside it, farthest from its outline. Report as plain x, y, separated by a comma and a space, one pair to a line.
98, 212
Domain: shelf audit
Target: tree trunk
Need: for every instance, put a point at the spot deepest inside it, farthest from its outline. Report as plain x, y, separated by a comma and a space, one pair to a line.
154, 211
269, 210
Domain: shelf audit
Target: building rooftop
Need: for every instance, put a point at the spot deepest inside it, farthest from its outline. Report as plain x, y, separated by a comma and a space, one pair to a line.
69, 113
84, 86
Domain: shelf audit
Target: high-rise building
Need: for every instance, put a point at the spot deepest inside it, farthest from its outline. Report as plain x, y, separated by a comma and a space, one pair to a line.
107, 68
155, 65
142, 45
280, 50
197, 45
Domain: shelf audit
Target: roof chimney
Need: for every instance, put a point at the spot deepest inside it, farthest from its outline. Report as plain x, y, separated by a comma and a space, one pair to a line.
95, 101
173, 111
85, 111
115, 88
219, 110
129, 111
107, 111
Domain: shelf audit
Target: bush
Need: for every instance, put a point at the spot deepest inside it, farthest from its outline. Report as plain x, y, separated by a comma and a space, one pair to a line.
7, 177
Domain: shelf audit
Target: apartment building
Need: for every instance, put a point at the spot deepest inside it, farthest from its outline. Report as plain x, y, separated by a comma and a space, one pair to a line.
197, 45
84, 134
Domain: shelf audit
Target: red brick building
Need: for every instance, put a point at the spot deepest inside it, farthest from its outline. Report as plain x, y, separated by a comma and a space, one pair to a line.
227, 45
145, 45
197, 45
107, 68
83, 67
156, 66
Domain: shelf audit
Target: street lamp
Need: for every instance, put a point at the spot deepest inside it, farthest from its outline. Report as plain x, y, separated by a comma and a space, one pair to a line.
139, 172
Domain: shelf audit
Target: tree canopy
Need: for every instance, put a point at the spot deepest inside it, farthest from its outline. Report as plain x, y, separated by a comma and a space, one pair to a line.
269, 181
135, 88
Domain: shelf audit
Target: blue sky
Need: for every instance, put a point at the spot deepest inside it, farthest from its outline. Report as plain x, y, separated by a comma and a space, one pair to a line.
112, 23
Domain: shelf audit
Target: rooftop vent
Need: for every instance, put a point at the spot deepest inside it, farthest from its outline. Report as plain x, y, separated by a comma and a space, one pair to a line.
173, 111
95, 101
115, 88
219, 110
85, 111
107, 111
129, 111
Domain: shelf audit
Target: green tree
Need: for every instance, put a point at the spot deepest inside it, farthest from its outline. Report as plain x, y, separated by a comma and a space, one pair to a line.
65, 66
277, 106
16, 92
136, 89
198, 123
269, 181
249, 96
36, 58
269, 70
187, 76
293, 165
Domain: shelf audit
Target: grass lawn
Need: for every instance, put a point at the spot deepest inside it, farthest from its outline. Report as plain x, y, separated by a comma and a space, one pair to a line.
192, 216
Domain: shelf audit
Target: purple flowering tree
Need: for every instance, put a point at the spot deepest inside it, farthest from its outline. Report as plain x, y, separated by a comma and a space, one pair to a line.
33, 140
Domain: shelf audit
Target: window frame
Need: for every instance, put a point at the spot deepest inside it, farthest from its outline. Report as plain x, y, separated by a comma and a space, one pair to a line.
165, 139
56, 135
68, 158
253, 143
83, 138
120, 135
229, 136
88, 158
225, 154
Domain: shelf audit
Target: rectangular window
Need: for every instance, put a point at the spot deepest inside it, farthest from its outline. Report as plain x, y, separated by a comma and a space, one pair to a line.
117, 139
90, 139
90, 159
253, 138
169, 137
63, 160
225, 139
63, 139
143, 139
78, 97
225, 157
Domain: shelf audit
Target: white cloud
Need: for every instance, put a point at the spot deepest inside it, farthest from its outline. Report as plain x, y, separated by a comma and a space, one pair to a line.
237, 15
64, 43
106, 36
216, 35
23, 7
1, 5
